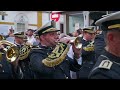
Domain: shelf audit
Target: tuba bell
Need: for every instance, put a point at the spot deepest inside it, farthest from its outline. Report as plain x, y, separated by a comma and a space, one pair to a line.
11, 50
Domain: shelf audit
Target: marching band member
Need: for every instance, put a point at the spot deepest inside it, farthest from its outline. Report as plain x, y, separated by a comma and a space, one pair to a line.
20, 41
50, 60
108, 63
88, 54
8, 69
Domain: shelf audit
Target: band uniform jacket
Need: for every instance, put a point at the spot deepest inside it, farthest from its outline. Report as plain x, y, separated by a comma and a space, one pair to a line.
25, 66
7, 69
88, 60
87, 55
107, 67
61, 71
99, 45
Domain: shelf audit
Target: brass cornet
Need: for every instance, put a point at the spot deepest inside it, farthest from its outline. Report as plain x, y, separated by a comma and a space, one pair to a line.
77, 42
12, 52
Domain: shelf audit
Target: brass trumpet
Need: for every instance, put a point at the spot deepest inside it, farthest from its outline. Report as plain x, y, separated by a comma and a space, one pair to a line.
76, 41
12, 52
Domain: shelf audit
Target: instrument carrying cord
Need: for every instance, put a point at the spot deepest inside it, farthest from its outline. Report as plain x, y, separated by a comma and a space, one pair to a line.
63, 72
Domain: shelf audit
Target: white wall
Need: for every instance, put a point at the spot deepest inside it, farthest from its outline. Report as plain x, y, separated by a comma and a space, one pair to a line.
10, 17
4, 29
31, 16
61, 20
45, 18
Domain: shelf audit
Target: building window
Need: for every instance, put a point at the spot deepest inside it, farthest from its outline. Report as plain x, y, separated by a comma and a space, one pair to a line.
21, 23
20, 27
75, 21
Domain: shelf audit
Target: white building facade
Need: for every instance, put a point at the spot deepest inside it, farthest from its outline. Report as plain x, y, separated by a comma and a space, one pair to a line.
23, 20
19, 20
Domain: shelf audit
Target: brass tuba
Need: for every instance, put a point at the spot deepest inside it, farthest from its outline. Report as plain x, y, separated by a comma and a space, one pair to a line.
12, 52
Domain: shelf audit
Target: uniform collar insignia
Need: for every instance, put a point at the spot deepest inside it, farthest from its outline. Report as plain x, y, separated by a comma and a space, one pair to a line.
106, 64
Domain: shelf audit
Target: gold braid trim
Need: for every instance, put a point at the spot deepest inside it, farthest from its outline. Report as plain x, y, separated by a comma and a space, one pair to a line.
89, 47
114, 26
49, 30
90, 31
57, 56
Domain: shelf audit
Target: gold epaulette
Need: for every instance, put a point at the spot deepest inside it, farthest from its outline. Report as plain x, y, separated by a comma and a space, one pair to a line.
89, 48
114, 26
57, 56
105, 64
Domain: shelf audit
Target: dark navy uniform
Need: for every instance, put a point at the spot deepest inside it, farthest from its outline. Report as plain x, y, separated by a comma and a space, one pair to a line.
107, 67
108, 63
25, 66
7, 69
99, 45
61, 71
24, 61
88, 55
26, 69
88, 59
51, 63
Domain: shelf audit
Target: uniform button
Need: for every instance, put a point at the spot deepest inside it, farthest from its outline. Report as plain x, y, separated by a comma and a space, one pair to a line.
66, 77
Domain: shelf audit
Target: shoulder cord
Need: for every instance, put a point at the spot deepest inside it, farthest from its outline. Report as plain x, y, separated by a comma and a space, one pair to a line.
112, 61
64, 72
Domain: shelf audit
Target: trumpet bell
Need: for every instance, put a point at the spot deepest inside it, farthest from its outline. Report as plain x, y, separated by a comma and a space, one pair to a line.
76, 41
72, 39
